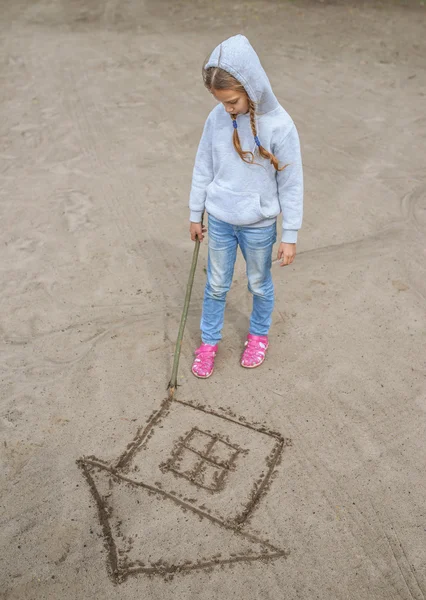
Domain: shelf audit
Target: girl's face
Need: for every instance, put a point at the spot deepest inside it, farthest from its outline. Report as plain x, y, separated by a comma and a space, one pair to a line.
235, 103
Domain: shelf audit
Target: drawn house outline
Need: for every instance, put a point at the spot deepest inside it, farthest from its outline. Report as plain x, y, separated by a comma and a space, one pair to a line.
118, 470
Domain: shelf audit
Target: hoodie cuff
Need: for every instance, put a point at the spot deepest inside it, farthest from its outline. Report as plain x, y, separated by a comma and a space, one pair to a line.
195, 216
289, 236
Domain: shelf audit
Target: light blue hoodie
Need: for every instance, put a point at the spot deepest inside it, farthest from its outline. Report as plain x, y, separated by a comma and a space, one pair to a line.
222, 183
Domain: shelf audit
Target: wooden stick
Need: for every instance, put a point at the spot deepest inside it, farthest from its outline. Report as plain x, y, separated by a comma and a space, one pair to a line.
173, 379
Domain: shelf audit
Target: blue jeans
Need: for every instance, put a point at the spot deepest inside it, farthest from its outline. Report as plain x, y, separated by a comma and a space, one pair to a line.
256, 246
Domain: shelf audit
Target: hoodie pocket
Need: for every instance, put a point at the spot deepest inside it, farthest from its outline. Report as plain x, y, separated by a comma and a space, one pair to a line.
236, 208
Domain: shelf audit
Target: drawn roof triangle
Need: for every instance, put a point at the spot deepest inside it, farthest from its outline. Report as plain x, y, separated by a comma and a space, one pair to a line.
163, 537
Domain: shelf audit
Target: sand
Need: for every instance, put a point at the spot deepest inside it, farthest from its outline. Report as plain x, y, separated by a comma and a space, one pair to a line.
304, 479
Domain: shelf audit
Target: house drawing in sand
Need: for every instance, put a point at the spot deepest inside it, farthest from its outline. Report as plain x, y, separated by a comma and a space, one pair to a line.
180, 497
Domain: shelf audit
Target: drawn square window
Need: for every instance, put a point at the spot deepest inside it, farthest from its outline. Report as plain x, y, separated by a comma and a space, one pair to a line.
203, 459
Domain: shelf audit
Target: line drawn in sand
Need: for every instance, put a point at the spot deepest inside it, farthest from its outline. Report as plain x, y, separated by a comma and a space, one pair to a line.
207, 473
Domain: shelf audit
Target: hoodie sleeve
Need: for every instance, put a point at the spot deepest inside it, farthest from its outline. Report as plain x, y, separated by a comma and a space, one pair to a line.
290, 184
202, 174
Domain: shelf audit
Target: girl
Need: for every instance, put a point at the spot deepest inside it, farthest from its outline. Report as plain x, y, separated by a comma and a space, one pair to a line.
247, 171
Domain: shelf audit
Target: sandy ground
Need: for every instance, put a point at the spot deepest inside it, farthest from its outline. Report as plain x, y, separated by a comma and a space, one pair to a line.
317, 488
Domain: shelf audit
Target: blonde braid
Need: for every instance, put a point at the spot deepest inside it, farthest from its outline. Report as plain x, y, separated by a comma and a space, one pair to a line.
252, 110
246, 155
262, 151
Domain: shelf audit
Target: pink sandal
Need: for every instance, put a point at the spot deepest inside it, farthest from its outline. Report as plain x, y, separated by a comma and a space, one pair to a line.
203, 364
255, 351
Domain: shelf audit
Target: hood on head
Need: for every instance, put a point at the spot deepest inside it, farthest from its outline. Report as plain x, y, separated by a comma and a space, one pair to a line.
237, 56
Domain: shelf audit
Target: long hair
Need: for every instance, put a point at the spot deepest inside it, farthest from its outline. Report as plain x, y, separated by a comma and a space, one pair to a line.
216, 78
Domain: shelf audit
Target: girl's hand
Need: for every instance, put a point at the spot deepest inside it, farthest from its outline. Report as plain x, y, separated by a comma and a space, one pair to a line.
286, 253
197, 230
